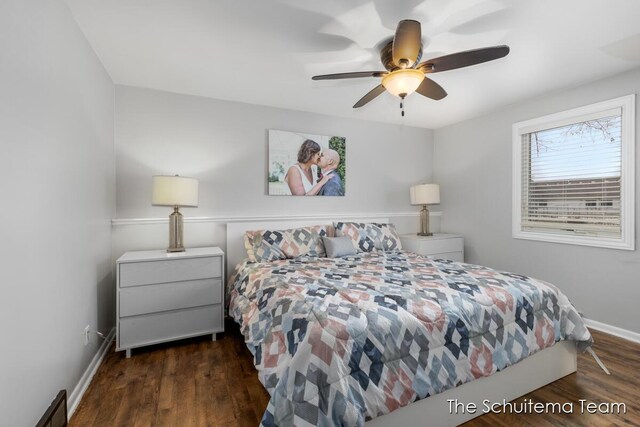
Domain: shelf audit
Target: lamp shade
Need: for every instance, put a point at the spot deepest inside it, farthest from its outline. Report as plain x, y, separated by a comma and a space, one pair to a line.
425, 194
175, 191
402, 82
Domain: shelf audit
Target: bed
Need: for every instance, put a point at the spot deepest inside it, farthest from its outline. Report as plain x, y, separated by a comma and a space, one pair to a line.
389, 337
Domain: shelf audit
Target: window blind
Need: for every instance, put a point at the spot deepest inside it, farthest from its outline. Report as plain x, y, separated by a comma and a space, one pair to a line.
571, 177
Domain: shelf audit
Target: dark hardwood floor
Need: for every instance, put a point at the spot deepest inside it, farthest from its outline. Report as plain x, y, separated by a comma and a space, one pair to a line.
198, 382
590, 383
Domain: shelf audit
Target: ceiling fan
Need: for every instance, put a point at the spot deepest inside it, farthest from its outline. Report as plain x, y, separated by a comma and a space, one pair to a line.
405, 74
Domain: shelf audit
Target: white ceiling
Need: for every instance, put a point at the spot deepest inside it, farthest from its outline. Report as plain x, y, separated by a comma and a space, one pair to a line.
265, 51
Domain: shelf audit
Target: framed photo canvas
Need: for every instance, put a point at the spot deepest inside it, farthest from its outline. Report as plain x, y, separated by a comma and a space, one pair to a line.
303, 164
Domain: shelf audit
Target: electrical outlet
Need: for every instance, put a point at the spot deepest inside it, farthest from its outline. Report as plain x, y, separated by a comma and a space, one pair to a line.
87, 330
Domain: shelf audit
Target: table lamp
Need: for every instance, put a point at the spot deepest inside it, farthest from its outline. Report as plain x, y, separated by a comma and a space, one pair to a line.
175, 191
425, 194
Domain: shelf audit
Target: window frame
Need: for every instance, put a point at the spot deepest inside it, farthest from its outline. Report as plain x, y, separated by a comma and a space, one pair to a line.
627, 191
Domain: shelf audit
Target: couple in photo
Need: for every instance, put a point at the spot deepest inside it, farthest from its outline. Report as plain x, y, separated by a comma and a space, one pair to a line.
315, 173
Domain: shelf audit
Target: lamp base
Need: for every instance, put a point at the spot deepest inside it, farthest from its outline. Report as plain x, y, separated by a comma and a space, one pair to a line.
175, 231
424, 222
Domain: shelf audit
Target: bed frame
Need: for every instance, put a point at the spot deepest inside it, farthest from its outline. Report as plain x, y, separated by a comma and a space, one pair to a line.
534, 372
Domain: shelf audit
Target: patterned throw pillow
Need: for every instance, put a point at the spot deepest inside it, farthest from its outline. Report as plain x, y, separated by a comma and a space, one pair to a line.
385, 237
369, 236
270, 245
357, 232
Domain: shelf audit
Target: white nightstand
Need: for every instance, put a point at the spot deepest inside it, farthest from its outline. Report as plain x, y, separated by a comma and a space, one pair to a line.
440, 245
168, 296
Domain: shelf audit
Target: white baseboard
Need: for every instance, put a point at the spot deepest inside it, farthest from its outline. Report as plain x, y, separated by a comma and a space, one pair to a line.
76, 395
613, 330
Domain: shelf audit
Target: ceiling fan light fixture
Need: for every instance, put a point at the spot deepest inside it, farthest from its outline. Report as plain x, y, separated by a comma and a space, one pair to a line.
403, 82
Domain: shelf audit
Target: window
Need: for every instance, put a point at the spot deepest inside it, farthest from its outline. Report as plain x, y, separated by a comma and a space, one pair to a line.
573, 176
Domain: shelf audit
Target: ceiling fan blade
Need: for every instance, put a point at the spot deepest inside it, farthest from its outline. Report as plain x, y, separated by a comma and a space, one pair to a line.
431, 89
353, 75
463, 59
369, 96
407, 43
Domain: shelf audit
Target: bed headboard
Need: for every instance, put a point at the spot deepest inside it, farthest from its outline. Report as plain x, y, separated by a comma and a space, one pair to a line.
235, 233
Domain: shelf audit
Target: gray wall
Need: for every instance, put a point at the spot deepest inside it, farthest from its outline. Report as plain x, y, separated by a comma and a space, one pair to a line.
472, 162
57, 185
223, 144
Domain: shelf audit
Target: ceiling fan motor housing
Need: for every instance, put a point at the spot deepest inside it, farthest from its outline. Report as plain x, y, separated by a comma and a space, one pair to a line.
386, 57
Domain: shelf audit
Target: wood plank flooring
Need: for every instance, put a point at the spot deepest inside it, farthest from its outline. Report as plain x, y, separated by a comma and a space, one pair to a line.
198, 382
621, 357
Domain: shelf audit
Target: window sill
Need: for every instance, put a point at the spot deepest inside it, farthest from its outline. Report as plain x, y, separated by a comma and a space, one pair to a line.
622, 244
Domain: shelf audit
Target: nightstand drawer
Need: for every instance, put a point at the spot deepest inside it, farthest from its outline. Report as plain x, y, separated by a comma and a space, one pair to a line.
158, 327
145, 273
438, 246
169, 296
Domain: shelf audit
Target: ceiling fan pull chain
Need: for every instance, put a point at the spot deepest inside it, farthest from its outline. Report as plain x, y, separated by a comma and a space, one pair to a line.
402, 108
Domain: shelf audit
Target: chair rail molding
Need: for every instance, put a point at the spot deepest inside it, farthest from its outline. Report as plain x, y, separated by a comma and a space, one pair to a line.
214, 219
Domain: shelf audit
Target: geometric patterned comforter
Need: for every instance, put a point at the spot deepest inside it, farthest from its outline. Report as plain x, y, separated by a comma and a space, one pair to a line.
338, 341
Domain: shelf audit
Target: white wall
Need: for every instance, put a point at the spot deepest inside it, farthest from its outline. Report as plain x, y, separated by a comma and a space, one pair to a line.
57, 186
473, 167
223, 144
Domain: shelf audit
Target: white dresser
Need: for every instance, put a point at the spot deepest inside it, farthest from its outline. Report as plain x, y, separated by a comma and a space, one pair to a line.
168, 296
440, 245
